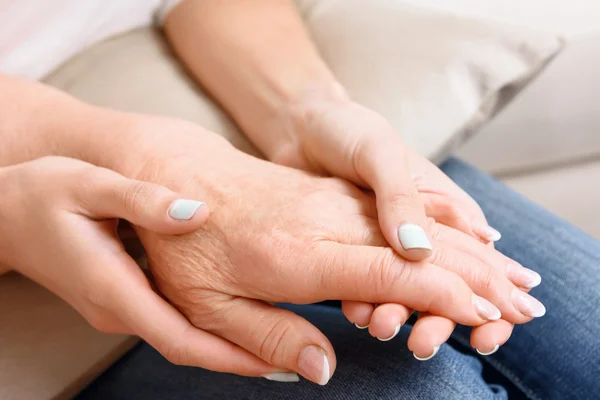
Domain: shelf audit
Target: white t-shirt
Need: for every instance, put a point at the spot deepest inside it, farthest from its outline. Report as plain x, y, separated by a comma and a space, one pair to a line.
36, 36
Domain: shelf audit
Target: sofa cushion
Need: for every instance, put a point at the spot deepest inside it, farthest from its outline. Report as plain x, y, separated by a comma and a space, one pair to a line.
435, 76
555, 121
47, 350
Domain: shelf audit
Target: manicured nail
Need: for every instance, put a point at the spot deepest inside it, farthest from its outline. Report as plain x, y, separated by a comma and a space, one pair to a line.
413, 237
485, 309
361, 327
528, 305
182, 209
314, 365
523, 277
394, 335
495, 349
282, 377
486, 232
435, 351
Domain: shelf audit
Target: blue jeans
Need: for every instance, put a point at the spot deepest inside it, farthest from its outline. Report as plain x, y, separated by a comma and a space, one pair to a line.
554, 357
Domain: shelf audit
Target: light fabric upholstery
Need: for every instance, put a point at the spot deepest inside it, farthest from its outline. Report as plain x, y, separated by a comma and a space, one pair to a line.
47, 350
556, 121
435, 78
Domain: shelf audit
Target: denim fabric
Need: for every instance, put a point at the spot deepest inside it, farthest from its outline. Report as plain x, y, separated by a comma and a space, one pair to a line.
554, 357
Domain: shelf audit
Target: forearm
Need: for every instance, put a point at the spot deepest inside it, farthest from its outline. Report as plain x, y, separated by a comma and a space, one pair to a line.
37, 121
255, 57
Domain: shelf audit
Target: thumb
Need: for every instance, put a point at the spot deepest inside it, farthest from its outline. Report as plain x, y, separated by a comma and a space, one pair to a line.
151, 206
147, 315
279, 337
401, 212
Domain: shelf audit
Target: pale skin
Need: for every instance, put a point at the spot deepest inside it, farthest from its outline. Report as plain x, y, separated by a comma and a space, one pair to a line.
311, 239
291, 106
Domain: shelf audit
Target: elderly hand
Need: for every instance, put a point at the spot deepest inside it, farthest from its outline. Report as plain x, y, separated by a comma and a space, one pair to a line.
282, 235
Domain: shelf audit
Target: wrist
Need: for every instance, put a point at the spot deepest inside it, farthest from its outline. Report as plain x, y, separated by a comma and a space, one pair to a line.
285, 129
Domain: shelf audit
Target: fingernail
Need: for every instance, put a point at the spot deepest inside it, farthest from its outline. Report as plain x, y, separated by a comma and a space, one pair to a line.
182, 209
485, 309
486, 232
528, 305
314, 365
523, 277
282, 377
361, 327
394, 335
489, 353
413, 237
435, 351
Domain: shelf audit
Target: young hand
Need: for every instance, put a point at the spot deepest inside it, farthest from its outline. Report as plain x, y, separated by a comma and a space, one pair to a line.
342, 138
58, 219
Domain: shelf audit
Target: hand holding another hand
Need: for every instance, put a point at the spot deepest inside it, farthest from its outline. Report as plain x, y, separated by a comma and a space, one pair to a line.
341, 138
283, 235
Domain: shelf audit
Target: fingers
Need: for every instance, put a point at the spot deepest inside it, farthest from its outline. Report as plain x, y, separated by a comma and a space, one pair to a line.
358, 313
380, 163
486, 281
488, 338
279, 337
378, 275
448, 211
519, 275
154, 207
428, 334
387, 319
147, 315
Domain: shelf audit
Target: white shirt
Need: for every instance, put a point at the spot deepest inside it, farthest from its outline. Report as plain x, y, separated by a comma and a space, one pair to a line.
37, 36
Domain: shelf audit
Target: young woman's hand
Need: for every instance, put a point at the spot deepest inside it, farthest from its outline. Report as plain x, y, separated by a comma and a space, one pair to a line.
58, 219
342, 138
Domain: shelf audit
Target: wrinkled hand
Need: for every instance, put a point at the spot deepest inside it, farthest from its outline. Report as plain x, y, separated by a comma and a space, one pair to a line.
58, 219
342, 138
282, 235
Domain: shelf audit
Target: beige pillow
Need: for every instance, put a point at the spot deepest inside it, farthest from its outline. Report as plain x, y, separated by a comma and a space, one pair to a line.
436, 77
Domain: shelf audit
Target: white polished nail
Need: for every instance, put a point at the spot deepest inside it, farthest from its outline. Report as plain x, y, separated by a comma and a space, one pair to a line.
489, 233
485, 309
393, 336
435, 351
523, 277
361, 327
489, 353
282, 377
528, 305
183, 209
413, 237
314, 365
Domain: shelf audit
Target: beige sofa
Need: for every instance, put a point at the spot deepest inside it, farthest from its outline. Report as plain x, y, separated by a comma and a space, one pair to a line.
545, 144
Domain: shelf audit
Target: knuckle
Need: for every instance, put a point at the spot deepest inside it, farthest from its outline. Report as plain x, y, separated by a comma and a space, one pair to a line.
133, 197
433, 229
385, 270
272, 342
486, 279
448, 294
205, 310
